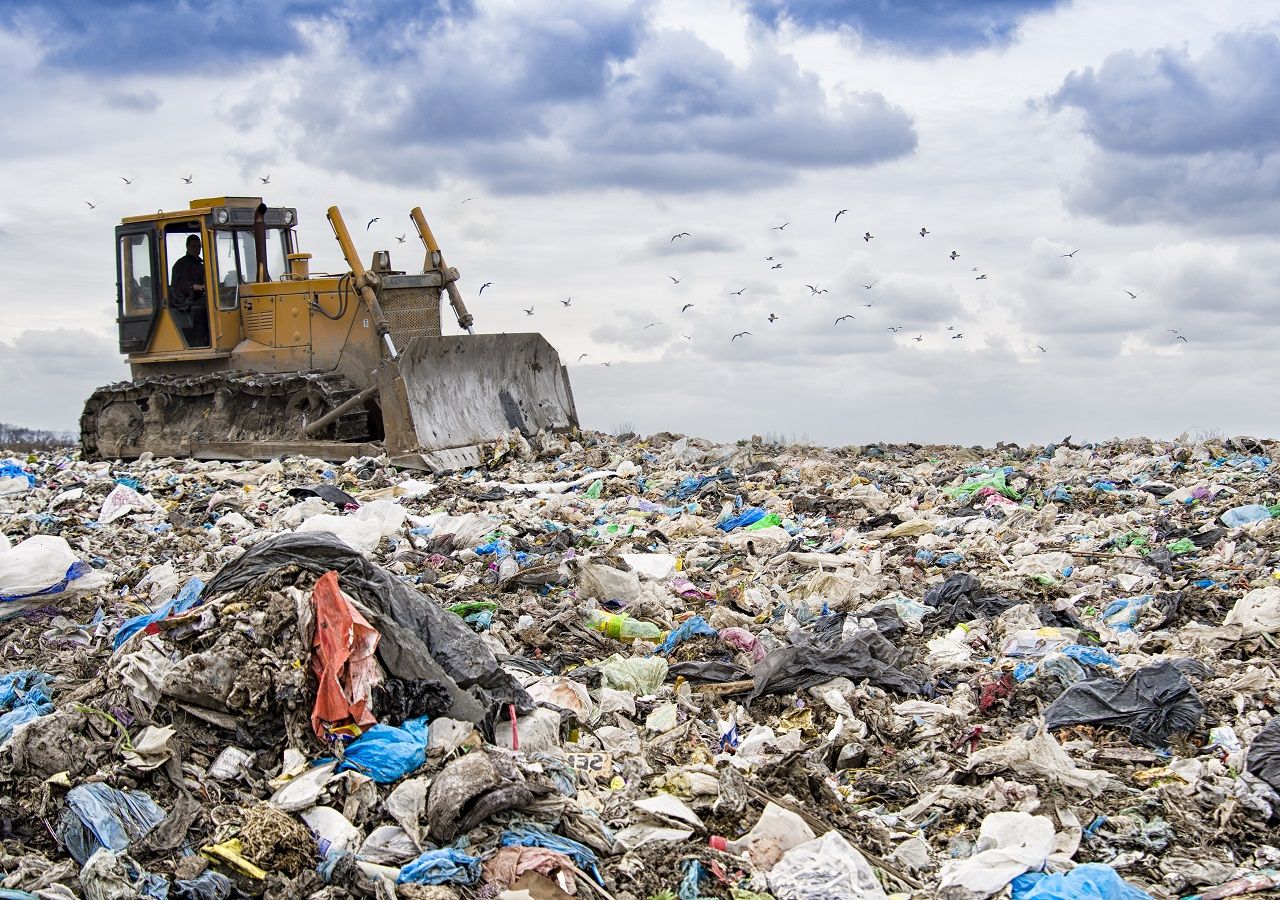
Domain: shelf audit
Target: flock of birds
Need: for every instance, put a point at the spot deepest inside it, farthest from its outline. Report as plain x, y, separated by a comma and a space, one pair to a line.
814, 290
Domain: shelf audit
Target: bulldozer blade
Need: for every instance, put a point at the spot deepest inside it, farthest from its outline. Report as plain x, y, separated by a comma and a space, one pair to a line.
463, 392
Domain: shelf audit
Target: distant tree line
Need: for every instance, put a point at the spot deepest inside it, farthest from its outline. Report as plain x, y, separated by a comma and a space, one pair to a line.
17, 438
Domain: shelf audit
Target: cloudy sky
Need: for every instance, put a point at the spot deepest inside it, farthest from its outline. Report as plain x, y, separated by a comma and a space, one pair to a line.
589, 132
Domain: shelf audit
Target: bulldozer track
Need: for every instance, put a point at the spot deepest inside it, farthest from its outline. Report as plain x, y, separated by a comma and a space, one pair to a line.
165, 414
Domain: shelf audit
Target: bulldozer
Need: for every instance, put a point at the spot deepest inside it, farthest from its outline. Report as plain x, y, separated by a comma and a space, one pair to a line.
247, 354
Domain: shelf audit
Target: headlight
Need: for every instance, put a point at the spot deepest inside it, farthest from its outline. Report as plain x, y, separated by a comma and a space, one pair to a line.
288, 217
222, 217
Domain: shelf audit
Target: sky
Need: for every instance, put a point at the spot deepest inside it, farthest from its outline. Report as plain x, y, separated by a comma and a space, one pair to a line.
556, 147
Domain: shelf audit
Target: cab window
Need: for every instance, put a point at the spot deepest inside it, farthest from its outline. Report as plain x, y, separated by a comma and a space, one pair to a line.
237, 258
175, 244
137, 275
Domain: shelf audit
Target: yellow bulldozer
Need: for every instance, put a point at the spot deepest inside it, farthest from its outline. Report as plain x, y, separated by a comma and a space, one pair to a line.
244, 353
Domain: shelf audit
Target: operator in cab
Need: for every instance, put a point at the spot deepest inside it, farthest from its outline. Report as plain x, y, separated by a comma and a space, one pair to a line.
187, 296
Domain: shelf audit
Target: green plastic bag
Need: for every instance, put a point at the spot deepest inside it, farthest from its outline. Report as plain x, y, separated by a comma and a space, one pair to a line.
768, 521
594, 491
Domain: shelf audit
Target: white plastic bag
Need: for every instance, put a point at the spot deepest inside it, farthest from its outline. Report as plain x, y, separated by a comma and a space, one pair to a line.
42, 563
358, 534
1257, 612
1009, 844
121, 501
822, 869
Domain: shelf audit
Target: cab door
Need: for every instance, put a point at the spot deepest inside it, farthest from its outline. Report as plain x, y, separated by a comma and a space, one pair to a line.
137, 286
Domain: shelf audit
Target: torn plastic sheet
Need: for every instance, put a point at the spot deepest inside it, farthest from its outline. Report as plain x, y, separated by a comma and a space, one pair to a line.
1154, 703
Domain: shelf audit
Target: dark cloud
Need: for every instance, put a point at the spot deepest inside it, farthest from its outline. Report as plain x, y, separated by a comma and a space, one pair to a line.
590, 97
156, 35
1193, 140
918, 26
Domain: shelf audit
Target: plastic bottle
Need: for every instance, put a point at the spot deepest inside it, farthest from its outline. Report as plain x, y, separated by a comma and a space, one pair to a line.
1243, 515
622, 627
508, 568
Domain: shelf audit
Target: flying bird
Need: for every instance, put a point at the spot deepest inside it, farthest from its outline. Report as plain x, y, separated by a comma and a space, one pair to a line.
868, 236
468, 200
924, 231
813, 290
773, 318
974, 269
606, 365
894, 329
768, 259
839, 214
91, 205
400, 238
1072, 254
951, 328
529, 311
842, 318
918, 338
650, 325
687, 337
736, 293
686, 306
674, 279
188, 178
680, 235
981, 277
369, 224
1133, 296
1172, 330
955, 255
869, 305
776, 266
872, 284
956, 337
1041, 349
780, 227
566, 302
128, 180
482, 287
583, 356
738, 335
266, 180
1183, 339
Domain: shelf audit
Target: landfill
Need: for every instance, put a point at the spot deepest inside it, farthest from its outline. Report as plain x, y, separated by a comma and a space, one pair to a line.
645, 668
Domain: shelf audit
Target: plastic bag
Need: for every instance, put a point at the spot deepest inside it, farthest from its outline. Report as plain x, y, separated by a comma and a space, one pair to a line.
388, 845
42, 566
188, 597
639, 675
97, 815
1245, 515
824, 653
533, 836
447, 866
1257, 612
342, 659
1154, 703
1263, 760
748, 516
689, 628
121, 501
358, 534
822, 869
1009, 844
1091, 881
386, 753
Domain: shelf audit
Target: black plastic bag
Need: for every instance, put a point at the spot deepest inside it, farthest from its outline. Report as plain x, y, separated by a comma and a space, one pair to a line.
326, 492
708, 671
961, 598
823, 653
1263, 760
1154, 703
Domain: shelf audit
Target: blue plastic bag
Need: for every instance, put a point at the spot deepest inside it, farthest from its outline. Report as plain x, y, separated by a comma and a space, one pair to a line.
1243, 515
97, 815
1090, 656
533, 836
12, 470
441, 867
25, 687
748, 516
687, 629
20, 715
386, 753
188, 597
1091, 881
1122, 615
76, 570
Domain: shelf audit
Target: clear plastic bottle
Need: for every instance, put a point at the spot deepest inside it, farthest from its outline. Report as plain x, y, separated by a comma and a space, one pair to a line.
622, 627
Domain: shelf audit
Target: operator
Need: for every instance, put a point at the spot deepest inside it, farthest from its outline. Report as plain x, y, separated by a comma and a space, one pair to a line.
186, 295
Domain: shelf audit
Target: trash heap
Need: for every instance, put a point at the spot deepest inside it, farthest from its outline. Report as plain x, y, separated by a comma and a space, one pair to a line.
633, 669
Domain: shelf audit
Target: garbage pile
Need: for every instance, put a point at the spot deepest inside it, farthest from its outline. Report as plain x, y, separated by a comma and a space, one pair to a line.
645, 669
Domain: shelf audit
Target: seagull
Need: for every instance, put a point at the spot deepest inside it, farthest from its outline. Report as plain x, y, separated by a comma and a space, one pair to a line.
872, 284
128, 180
1183, 339
773, 318
1172, 330
839, 214
813, 290
924, 231
529, 311
738, 335
951, 328
780, 227
955, 255
894, 329
400, 238
686, 306
974, 269
650, 325
869, 305
583, 356
918, 338
606, 365
369, 224
674, 279
1133, 296
687, 337
266, 180
482, 287
842, 318
776, 266
981, 277
566, 302
956, 337
1041, 349
736, 293
469, 199
91, 205
868, 236
1072, 254
680, 235
188, 178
